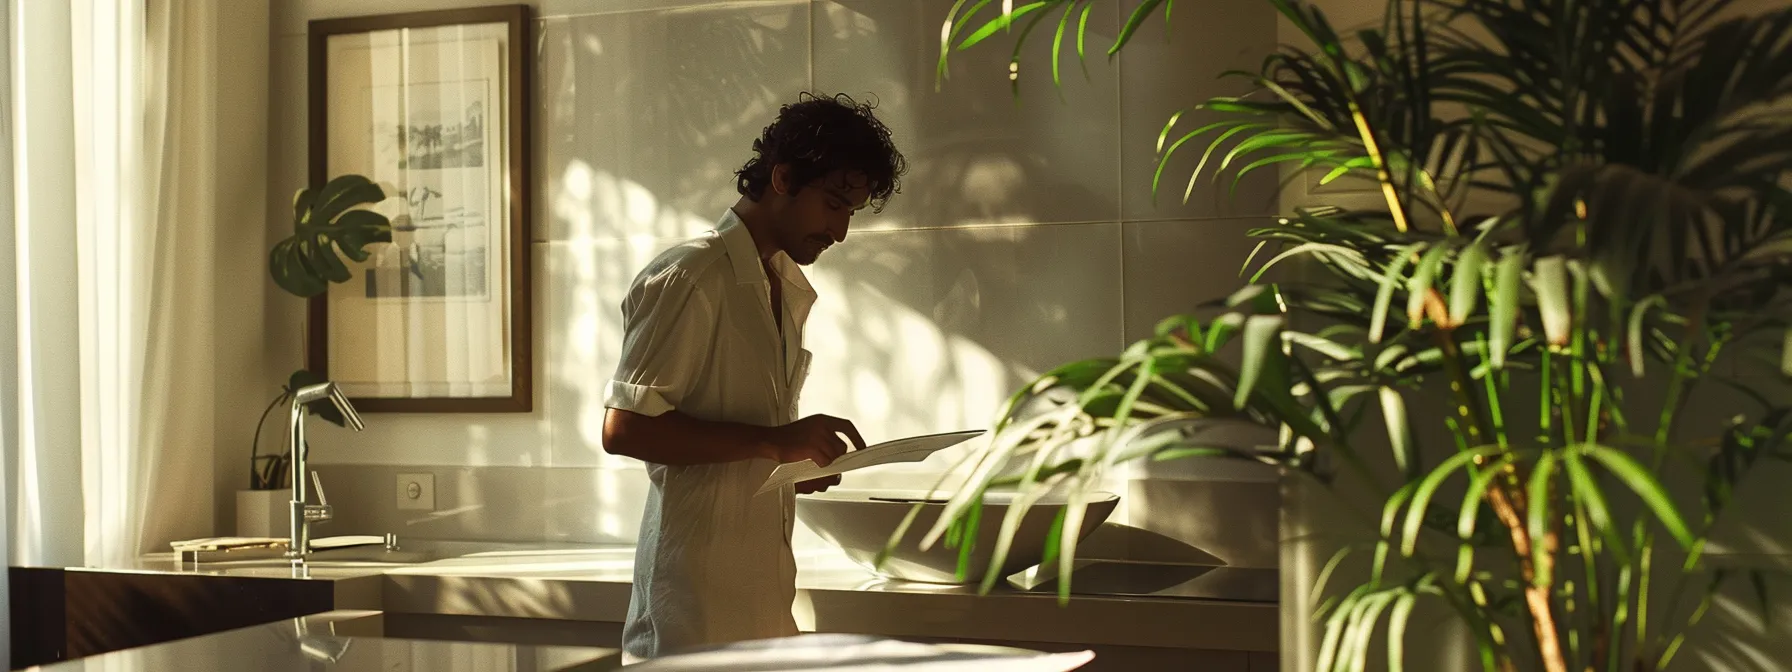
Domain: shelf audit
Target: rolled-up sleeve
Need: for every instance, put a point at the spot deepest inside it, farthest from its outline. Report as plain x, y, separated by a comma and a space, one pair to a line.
669, 331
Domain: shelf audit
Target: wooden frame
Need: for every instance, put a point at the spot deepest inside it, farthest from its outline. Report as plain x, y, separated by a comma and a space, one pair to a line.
438, 266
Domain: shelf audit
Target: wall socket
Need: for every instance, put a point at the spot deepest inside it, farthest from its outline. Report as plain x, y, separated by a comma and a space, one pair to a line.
416, 492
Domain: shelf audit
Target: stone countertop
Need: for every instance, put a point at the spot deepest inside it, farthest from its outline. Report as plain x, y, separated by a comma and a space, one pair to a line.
1220, 608
343, 641
1114, 602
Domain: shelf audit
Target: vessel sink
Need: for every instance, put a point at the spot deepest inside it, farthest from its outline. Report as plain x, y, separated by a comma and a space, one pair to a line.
860, 523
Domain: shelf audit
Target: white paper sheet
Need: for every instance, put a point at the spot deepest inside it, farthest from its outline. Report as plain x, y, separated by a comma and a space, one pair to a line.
346, 541
911, 449
226, 543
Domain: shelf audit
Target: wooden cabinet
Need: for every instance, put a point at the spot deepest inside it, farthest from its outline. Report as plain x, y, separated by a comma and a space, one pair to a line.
66, 614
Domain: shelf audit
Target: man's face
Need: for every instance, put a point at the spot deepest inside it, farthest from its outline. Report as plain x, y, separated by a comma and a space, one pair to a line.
817, 215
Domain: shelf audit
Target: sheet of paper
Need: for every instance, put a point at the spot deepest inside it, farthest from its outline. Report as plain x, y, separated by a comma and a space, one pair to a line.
346, 541
911, 449
225, 543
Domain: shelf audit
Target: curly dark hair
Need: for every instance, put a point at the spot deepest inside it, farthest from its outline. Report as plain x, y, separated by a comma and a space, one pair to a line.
818, 135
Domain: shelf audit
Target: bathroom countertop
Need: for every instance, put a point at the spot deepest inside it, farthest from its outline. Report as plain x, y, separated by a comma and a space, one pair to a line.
1222, 608
344, 641
354, 585
1234, 608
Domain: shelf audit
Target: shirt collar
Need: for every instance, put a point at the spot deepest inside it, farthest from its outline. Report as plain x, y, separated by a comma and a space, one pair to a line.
744, 255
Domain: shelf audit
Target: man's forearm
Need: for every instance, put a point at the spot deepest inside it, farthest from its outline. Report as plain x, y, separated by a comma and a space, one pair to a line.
674, 438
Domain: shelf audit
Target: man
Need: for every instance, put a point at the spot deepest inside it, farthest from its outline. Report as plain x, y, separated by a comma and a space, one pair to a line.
712, 364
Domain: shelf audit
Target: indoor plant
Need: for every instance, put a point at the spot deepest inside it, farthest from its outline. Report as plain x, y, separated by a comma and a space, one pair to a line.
328, 224
1581, 213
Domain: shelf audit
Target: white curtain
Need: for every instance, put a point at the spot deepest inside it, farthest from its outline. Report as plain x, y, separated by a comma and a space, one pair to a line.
106, 409
40, 388
111, 221
9, 355
144, 154
178, 345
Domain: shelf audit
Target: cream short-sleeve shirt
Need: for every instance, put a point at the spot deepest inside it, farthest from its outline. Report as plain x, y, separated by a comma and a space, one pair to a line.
713, 563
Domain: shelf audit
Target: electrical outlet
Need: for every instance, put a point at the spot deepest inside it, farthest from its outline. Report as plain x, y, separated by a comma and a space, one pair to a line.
417, 492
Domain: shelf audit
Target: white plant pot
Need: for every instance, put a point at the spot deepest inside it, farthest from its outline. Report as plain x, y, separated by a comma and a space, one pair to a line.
262, 513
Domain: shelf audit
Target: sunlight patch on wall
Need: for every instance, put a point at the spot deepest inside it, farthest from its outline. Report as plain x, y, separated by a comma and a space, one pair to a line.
592, 204
609, 520
843, 22
886, 367
473, 440
992, 180
591, 279
612, 227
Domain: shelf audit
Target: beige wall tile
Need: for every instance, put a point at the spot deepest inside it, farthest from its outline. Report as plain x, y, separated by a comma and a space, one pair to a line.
975, 155
639, 133
1169, 69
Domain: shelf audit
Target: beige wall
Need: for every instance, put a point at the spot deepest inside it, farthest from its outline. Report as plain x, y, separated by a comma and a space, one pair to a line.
1025, 237
246, 374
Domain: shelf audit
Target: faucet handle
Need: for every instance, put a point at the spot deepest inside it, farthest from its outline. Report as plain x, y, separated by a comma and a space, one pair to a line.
320, 511
318, 485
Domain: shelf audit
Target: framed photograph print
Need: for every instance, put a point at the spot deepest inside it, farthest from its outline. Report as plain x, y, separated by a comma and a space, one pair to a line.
433, 107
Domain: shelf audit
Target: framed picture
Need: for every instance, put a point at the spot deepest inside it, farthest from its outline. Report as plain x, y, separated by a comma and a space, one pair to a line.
434, 107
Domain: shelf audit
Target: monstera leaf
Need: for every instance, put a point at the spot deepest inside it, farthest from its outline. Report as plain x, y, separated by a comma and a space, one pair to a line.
323, 226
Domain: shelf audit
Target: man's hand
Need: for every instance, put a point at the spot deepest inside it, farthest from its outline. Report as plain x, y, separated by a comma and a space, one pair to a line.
817, 485
816, 437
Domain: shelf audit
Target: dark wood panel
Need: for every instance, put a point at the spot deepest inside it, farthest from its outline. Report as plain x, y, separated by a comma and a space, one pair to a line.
39, 633
111, 611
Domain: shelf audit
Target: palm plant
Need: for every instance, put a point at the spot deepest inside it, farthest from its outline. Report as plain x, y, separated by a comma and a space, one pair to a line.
1582, 207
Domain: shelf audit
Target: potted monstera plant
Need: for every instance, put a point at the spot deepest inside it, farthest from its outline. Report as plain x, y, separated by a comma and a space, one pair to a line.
329, 224
1582, 227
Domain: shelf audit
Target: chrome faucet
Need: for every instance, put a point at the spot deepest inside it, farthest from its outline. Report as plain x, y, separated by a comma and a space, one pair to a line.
303, 513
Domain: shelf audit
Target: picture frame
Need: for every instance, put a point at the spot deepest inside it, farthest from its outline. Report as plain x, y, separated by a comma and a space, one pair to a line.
434, 107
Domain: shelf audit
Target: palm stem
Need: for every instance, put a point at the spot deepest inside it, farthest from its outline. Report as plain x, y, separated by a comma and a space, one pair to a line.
1682, 369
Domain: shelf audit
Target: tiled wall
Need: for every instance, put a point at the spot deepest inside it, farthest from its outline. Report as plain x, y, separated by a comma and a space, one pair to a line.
1025, 237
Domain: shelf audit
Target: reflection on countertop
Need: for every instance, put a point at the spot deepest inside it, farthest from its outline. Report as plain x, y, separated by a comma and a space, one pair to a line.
817, 569
339, 641
1109, 599
352, 562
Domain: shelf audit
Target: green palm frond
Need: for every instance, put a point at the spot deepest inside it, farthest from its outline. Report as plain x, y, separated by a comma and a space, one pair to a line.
1576, 198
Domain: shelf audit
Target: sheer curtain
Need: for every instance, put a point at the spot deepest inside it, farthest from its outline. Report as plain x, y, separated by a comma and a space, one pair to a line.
145, 222
105, 395
110, 223
9, 355
40, 386
175, 383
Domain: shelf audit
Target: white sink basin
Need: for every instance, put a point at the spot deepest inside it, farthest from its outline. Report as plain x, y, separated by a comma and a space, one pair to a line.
860, 523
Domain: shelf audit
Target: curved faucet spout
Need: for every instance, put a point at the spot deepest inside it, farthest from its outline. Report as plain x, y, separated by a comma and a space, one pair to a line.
333, 392
301, 512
